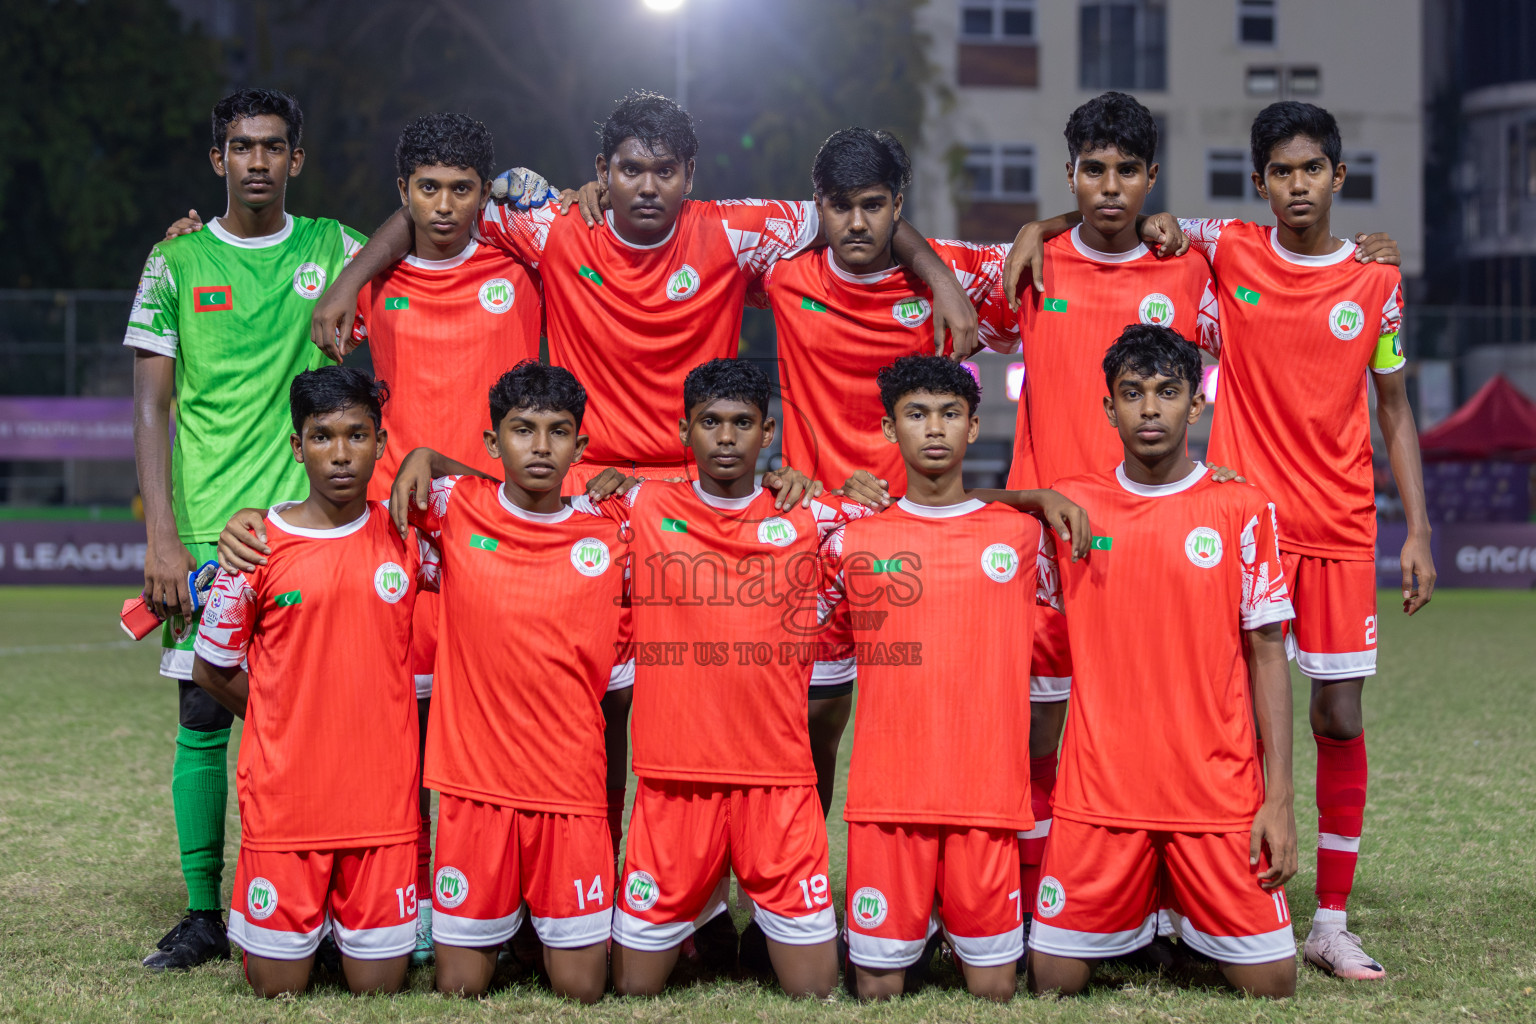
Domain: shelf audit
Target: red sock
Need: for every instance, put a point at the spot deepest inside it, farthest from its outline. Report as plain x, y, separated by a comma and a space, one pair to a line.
424, 860
1042, 785
1341, 779
616, 819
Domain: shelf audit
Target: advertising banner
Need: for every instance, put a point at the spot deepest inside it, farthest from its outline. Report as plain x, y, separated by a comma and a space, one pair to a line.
72, 551
45, 429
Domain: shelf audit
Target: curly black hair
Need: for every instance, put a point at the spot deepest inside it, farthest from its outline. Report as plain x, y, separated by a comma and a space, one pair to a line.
1151, 350
255, 103
333, 388
533, 385
735, 380
934, 374
657, 121
853, 159
1112, 119
1281, 122
451, 140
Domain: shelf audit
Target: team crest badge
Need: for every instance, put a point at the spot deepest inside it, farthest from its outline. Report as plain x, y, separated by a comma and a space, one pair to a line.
496, 295
1345, 320
1051, 899
183, 628
260, 899
869, 908
1000, 562
911, 312
1203, 546
390, 582
450, 888
683, 284
309, 280
778, 531
1156, 308
590, 556
640, 891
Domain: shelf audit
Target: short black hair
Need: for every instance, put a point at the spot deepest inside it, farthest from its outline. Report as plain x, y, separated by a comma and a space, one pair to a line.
333, 388
256, 103
452, 140
1112, 119
734, 380
933, 374
1281, 122
533, 385
853, 159
657, 121
1151, 350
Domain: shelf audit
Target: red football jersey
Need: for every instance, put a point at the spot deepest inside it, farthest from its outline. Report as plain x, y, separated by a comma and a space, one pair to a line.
1160, 732
726, 630
440, 333
836, 330
530, 630
1089, 299
1298, 335
941, 734
630, 321
328, 756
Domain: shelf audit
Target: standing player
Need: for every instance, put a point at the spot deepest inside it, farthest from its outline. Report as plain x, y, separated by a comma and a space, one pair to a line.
932, 823
724, 606
1175, 622
658, 288
1296, 306
218, 332
442, 325
327, 774
842, 313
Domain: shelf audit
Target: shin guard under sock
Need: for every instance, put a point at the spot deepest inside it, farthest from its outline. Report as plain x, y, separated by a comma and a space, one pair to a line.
199, 795
1341, 783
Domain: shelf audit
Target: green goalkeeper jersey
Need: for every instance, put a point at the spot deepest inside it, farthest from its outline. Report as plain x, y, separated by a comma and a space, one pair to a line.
234, 313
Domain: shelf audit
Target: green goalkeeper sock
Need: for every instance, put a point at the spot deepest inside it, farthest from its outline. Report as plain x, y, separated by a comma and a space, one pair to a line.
199, 793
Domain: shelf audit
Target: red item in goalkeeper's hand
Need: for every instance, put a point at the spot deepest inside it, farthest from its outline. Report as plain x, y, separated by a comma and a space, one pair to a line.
138, 619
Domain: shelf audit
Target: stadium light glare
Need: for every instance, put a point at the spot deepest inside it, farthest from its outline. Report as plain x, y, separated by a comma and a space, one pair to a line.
1015, 380
664, 6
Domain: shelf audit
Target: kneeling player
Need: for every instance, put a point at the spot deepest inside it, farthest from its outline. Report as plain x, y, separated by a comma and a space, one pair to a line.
327, 773
932, 822
1175, 625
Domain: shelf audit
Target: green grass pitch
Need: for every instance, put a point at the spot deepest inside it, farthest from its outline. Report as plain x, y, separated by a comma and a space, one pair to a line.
1446, 893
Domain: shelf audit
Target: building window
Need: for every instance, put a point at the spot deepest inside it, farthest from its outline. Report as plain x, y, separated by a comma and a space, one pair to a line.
1004, 172
1360, 181
1256, 22
1263, 82
1303, 82
1002, 21
1226, 173
1124, 45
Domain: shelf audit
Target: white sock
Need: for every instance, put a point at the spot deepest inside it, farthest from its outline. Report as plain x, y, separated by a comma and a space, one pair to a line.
1329, 920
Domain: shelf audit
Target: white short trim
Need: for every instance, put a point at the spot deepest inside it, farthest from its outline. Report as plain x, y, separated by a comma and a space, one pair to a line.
834, 673
574, 932
638, 933
273, 944
1165, 925
884, 954
1047, 938
176, 664
797, 931
989, 950
1336, 666
1344, 844
474, 933
1041, 830
1049, 689
1279, 944
423, 686
376, 943
622, 677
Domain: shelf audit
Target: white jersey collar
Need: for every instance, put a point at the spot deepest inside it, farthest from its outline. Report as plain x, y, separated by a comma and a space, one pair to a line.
858, 280
633, 245
1088, 252
262, 242
447, 264
1161, 490
940, 511
533, 517
1344, 252
275, 513
727, 504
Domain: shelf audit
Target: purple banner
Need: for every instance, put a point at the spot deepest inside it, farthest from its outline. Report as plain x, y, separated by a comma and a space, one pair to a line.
66, 428
72, 551
1487, 555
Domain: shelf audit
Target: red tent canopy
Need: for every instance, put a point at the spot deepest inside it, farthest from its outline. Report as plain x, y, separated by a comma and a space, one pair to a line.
1496, 423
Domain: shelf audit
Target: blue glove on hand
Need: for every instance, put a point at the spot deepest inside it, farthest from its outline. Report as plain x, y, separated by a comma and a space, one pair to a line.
525, 189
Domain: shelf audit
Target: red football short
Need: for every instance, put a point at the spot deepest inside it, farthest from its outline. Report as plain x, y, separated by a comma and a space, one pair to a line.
1100, 890
285, 902
581, 473
905, 881
1334, 633
424, 641
493, 862
1050, 663
685, 837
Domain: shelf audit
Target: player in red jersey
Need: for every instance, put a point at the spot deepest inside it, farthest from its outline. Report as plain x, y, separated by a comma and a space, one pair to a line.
842, 313
654, 290
327, 772
1184, 586
1294, 304
932, 824
726, 630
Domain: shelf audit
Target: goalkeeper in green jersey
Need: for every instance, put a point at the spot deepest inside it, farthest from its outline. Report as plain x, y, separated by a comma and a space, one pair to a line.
219, 329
